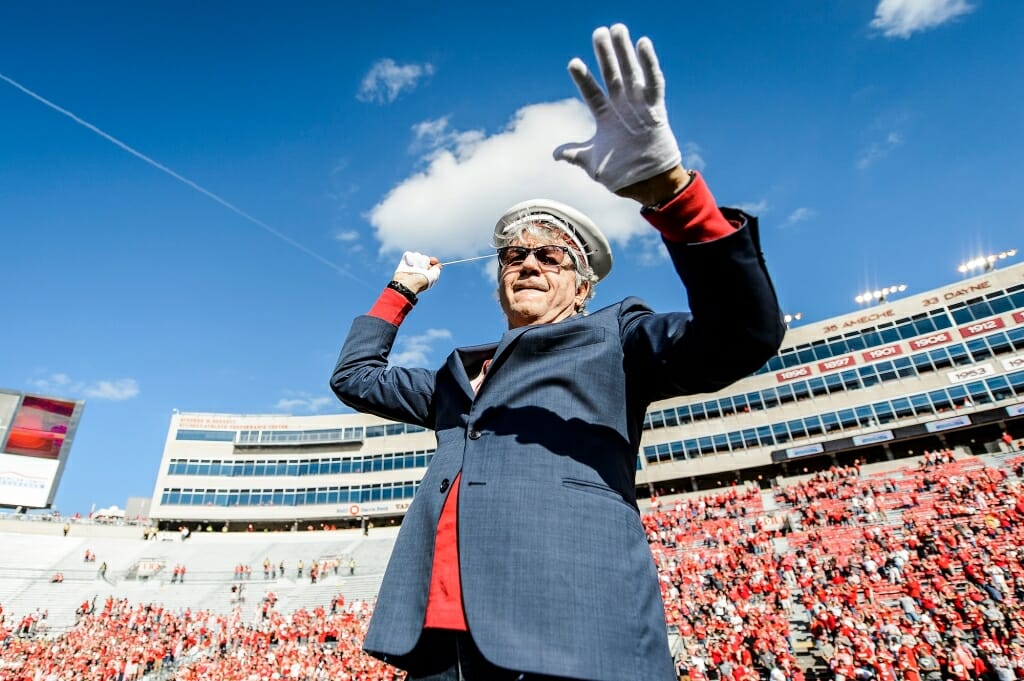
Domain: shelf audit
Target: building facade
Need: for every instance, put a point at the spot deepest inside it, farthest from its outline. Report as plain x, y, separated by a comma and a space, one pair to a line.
939, 369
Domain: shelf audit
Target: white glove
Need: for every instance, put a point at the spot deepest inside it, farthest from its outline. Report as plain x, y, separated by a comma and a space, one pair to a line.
417, 263
633, 141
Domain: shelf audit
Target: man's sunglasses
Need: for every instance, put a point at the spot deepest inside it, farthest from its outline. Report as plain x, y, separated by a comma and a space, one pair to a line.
549, 257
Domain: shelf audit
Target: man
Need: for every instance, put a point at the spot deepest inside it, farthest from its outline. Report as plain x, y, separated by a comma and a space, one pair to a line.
522, 555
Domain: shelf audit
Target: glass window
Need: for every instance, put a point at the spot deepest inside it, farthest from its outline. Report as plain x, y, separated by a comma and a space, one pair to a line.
922, 362
901, 407
904, 367
999, 342
978, 349
850, 380
206, 435
780, 432
830, 421
978, 392
868, 376
1001, 303
813, 425
940, 358
865, 416
921, 404
890, 335
940, 400
1000, 387
958, 353
886, 370
848, 418
884, 412
817, 386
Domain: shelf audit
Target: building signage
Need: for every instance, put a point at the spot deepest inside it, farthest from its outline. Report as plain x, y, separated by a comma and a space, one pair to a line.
836, 363
790, 374
882, 353
947, 424
981, 327
970, 373
860, 321
1013, 363
1015, 410
1018, 317
215, 422
871, 438
940, 338
806, 450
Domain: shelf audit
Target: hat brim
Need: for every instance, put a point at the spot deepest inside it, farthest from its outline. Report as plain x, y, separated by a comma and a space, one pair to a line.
594, 243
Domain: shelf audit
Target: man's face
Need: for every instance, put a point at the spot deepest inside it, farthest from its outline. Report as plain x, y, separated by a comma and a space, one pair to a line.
532, 292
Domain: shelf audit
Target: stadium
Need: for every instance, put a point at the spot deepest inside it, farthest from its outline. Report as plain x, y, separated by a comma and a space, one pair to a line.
852, 510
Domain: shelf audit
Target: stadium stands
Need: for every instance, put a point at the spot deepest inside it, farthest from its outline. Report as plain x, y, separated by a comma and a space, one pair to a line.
913, 573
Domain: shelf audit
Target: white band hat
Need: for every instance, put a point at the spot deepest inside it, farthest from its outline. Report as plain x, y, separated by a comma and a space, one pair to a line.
595, 248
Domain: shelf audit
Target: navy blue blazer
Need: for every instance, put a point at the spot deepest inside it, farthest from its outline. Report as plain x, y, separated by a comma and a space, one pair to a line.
557, 576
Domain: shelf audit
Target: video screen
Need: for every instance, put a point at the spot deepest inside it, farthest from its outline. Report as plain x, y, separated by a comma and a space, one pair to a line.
39, 427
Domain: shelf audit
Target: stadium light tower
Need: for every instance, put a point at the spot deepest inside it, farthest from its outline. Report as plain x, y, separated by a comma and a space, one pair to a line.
985, 263
795, 317
879, 295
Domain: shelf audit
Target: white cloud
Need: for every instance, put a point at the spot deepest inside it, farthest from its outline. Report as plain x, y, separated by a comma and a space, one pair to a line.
902, 18
692, 158
650, 250
347, 235
415, 351
878, 150
799, 215
115, 390
755, 208
386, 80
302, 402
449, 208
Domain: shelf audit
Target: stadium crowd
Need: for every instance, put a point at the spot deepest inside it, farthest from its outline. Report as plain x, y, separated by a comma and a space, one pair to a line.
912, 575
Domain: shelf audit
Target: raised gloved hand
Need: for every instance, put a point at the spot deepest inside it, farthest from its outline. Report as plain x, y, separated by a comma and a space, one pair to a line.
417, 271
633, 141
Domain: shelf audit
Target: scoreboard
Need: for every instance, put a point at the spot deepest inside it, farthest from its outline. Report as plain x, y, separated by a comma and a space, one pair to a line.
36, 432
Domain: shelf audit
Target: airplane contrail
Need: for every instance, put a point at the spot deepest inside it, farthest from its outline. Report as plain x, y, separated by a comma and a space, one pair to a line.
180, 178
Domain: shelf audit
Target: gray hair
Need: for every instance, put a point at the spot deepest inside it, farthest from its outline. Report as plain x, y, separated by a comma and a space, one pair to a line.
549, 231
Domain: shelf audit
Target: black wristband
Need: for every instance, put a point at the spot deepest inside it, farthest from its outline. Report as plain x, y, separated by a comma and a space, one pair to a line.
404, 290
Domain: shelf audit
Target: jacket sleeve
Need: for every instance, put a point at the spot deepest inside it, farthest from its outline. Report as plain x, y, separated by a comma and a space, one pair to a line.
363, 380
733, 327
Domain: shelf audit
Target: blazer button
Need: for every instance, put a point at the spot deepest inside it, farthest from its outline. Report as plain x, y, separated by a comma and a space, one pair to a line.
444, 485
474, 435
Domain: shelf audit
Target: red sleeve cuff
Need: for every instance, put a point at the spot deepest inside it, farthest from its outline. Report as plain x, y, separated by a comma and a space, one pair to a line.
691, 216
392, 307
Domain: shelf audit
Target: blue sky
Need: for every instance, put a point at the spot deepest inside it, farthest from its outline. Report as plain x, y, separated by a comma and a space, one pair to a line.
275, 159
